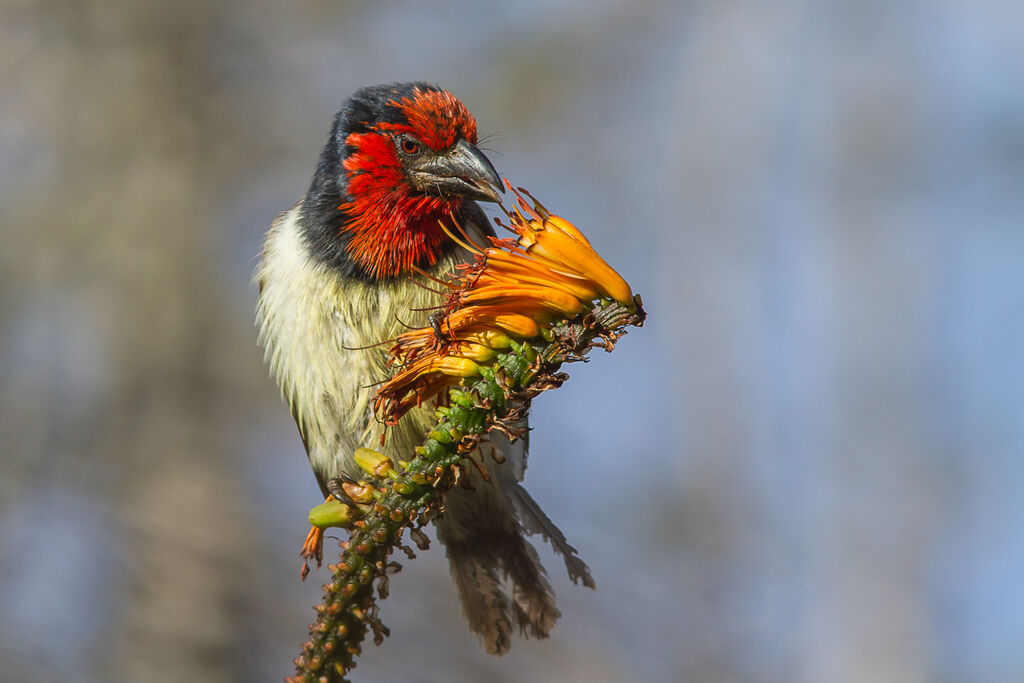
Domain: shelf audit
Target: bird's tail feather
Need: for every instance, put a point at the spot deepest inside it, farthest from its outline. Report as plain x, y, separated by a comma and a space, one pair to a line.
484, 604
535, 601
535, 521
485, 546
477, 565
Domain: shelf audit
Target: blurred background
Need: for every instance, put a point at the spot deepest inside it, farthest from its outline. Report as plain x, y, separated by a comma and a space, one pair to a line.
808, 466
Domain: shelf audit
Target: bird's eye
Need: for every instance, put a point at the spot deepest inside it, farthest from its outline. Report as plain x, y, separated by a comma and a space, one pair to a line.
410, 146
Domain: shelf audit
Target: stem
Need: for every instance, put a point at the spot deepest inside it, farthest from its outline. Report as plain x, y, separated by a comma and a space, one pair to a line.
409, 497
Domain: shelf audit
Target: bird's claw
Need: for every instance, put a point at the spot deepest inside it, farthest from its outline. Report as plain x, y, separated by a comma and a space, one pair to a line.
435, 319
336, 487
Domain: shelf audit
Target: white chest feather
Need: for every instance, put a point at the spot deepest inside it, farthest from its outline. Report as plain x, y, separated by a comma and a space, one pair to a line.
315, 326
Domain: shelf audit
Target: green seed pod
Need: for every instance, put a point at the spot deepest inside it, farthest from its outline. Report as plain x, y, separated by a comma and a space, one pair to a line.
460, 398
439, 436
331, 513
457, 414
404, 488
434, 449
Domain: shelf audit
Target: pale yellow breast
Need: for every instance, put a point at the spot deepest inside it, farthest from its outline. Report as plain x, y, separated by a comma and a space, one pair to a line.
314, 326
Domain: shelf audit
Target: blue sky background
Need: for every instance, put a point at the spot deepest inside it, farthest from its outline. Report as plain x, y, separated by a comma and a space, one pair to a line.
807, 466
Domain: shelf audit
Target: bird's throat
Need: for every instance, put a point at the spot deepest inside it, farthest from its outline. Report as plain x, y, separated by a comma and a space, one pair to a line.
389, 228
390, 236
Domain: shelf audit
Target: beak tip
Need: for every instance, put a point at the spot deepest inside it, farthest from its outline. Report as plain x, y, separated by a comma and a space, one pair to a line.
467, 172
488, 189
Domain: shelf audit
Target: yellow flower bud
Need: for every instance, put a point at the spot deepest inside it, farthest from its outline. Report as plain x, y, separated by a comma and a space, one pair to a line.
373, 462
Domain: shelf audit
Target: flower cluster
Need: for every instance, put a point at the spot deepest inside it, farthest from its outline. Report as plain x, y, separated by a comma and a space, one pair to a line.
525, 306
512, 292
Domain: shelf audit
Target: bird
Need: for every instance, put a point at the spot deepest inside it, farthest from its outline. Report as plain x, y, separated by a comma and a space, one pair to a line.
353, 264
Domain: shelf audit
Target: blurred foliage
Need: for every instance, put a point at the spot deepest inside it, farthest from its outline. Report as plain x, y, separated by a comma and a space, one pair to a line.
820, 201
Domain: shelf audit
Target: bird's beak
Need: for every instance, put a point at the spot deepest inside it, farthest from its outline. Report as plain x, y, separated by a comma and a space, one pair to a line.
461, 171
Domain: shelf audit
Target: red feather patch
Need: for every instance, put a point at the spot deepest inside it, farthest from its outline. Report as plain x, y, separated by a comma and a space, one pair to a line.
436, 117
392, 229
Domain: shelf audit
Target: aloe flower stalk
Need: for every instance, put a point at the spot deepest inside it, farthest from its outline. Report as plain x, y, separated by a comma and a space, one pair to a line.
526, 306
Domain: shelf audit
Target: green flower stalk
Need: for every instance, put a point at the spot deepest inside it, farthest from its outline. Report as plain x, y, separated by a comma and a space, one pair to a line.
512, 319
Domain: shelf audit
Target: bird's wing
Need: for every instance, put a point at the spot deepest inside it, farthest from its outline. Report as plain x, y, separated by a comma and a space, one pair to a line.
320, 479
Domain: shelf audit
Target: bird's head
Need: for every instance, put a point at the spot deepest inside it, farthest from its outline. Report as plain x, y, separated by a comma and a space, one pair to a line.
401, 157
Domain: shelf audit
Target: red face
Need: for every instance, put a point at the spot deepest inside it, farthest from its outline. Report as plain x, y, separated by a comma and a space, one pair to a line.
406, 176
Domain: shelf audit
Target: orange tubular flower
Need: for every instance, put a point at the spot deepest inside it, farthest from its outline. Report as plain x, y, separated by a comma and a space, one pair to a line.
519, 322
549, 297
558, 243
534, 272
484, 335
515, 289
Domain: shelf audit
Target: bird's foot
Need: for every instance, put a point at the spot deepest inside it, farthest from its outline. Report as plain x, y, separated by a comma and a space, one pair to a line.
349, 491
435, 319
